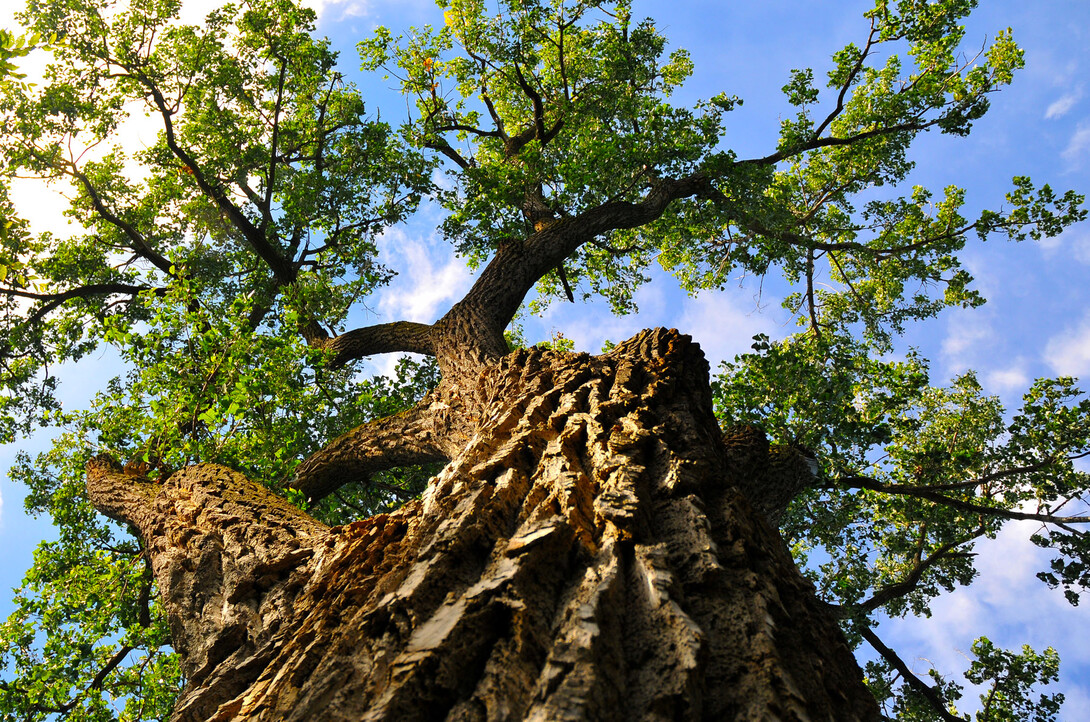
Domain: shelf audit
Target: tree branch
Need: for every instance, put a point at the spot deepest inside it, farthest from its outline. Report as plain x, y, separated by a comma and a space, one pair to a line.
815, 143
847, 84
925, 690
416, 436
255, 237
863, 482
382, 338
139, 243
53, 300
96, 683
893, 591
266, 205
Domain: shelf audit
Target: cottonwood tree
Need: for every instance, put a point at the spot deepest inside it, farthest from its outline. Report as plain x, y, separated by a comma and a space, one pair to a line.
501, 532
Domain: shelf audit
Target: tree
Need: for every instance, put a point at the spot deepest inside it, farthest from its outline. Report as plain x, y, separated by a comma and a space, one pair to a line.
594, 542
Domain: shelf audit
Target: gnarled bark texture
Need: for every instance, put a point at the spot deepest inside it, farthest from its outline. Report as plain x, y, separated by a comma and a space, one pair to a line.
586, 555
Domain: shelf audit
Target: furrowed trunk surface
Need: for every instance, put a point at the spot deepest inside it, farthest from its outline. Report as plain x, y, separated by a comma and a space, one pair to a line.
586, 556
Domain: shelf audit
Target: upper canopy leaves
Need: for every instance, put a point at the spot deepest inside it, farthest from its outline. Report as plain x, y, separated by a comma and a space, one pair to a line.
261, 175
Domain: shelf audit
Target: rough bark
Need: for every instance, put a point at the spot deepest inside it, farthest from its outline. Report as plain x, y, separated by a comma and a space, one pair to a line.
586, 555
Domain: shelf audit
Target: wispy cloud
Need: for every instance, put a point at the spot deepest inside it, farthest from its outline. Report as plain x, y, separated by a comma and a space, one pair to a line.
1068, 353
1065, 103
1078, 146
965, 332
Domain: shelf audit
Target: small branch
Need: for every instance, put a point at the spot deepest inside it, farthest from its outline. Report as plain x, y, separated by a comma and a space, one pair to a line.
445, 148
852, 75
54, 300
815, 325
1002, 474
863, 482
564, 281
362, 512
255, 237
139, 243
899, 589
270, 181
815, 143
535, 99
472, 130
96, 683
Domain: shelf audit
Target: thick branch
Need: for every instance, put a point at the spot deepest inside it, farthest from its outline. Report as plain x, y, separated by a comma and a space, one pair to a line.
416, 436
404, 336
504, 283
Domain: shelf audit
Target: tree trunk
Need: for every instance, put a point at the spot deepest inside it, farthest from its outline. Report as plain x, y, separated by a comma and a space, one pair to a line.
587, 556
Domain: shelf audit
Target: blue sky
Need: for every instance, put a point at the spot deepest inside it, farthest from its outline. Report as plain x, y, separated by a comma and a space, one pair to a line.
1036, 322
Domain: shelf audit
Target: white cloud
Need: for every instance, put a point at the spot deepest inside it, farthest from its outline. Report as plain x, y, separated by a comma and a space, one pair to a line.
590, 324
1050, 244
723, 326
1074, 242
1012, 378
1080, 248
722, 323
1060, 107
1078, 146
349, 9
423, 290
1068, 353
1076, 697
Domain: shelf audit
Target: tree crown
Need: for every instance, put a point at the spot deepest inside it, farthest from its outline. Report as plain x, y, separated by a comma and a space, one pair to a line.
222, 262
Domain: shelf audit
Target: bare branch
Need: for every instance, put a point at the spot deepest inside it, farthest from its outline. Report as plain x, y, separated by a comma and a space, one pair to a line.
382, 338
410, 438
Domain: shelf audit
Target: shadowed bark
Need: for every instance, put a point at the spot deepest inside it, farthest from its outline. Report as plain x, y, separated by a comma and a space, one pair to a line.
586, 555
